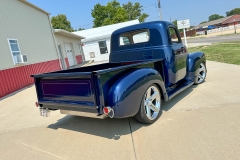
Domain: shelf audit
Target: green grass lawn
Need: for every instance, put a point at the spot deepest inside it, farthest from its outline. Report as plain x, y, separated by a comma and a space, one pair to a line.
227, 52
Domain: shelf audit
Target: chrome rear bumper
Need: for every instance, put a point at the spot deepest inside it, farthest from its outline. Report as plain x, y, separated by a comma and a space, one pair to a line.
83, 114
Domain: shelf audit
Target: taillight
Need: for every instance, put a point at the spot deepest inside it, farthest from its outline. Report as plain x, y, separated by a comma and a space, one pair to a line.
107, 110
36, 104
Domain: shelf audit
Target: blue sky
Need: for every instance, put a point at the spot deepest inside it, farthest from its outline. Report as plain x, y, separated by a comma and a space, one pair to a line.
78, 12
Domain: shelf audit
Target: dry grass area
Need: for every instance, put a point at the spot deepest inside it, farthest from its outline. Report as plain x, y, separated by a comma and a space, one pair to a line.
227, 52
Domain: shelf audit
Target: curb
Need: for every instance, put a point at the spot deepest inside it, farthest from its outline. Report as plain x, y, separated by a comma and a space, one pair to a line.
192, 45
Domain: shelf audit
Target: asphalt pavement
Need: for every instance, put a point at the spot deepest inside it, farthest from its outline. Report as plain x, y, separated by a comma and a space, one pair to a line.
225, 38
202, 122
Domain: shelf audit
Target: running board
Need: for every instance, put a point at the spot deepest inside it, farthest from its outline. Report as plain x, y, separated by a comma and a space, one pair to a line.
179, 89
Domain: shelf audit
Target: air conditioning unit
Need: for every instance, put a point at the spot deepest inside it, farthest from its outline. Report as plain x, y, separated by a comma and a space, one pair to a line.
24, 58
92, 54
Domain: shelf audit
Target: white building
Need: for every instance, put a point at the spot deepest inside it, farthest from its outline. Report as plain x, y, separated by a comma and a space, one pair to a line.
96, 45
69, 48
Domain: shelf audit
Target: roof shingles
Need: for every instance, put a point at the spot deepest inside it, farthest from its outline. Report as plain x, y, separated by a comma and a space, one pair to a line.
218, 21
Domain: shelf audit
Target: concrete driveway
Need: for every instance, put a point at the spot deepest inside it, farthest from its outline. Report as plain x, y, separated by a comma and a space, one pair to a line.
202, 122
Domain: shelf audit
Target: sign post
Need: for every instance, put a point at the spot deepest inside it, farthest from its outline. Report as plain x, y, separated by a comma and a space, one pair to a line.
183, 24
235, 26
185, 38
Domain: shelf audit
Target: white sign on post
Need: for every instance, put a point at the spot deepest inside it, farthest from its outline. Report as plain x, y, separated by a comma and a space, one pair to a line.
182, 25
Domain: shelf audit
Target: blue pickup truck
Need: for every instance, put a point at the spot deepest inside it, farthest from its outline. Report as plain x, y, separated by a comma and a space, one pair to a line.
146, 66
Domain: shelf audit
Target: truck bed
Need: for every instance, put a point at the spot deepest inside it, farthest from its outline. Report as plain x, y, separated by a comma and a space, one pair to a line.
83, 89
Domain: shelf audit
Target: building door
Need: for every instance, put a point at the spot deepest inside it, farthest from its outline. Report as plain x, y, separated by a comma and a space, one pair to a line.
70, 55
81, 52
61, 56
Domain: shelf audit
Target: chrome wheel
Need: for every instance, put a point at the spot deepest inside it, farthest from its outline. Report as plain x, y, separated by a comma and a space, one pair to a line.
201, 73
152, 102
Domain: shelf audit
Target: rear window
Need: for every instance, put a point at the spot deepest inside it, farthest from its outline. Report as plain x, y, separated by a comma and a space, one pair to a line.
139, 36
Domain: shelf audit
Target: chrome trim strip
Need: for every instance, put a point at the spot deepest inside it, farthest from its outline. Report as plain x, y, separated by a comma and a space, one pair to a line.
83, 114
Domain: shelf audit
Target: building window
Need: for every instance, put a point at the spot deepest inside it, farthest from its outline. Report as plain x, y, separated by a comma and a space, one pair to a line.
15, 50
103, 47
124, 40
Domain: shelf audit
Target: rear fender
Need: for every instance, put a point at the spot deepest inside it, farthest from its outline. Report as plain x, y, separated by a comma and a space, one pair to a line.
126, 93
193, 62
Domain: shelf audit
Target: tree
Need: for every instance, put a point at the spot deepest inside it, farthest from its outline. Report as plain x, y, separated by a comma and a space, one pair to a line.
60, 22
203, 22
175, 23
191, 27
110, 14
214, 17
80, 29
114, 13
134, 11
233, 12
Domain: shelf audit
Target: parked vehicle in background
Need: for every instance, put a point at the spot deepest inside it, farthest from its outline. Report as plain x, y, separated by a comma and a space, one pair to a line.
146, 66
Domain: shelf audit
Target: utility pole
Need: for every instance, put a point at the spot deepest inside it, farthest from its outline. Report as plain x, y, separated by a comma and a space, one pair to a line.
160, 10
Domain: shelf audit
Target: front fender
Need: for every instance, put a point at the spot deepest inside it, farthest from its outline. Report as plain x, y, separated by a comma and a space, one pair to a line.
193, 62
126, 93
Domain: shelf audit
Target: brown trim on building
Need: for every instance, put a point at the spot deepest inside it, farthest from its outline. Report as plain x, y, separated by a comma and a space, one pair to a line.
68, 34
231, 20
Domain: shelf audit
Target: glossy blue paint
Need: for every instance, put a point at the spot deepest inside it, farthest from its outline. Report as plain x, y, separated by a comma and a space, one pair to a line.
193, 63
126, 93
106, 78
159, 46
121, 83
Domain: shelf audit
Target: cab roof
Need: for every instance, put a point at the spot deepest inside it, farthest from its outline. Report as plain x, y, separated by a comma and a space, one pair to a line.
145, 25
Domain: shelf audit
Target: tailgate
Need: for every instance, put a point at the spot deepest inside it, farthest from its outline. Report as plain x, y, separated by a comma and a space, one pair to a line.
69, 89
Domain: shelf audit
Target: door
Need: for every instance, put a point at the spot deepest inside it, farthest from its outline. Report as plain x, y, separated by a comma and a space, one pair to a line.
81, 52
180, 54
61, 56
70, 56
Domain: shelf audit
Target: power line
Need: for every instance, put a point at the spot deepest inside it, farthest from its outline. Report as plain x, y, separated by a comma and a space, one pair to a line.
149, 5
85, 25
153, 18
167, 13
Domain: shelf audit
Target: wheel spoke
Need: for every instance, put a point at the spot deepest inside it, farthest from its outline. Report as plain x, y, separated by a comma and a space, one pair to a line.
201, 69
154, 96
158, 105
148, 94
148, 112
200, 76
154, 108
152, 99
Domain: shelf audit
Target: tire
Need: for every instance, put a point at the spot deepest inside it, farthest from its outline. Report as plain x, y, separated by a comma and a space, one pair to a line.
202, 73
150, 107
